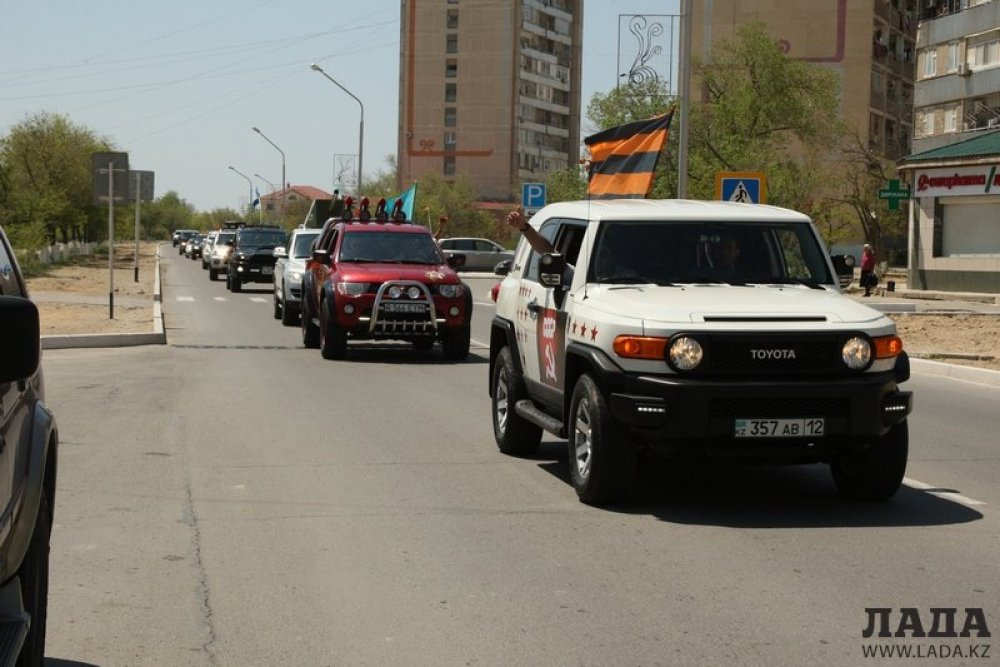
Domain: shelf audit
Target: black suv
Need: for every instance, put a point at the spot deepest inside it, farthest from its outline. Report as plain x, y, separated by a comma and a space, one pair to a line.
252, 258
29, 442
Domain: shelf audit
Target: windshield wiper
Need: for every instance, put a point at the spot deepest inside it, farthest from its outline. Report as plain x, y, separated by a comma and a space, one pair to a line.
624, 278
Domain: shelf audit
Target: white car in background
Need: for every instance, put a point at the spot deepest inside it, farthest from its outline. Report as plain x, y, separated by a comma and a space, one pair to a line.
288, 269
480, 254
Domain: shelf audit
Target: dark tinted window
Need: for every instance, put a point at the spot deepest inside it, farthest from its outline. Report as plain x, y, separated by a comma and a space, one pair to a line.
10, 285
260, 237
303, 243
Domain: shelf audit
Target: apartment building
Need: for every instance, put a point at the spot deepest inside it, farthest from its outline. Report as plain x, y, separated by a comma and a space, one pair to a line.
953, 172
489, 89
869, 44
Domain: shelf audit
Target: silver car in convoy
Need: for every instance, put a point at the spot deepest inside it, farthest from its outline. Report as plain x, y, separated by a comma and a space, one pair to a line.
218, 260
288, 267
206, 247
480, 254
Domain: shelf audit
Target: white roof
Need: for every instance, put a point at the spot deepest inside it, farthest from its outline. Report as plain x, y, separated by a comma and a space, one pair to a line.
669, 209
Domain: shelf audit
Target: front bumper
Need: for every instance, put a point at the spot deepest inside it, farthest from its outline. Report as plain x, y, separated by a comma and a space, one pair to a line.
380, 317
672, 411
252, 271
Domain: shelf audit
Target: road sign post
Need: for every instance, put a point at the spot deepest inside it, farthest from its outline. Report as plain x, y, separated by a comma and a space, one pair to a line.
141, 184
110, 164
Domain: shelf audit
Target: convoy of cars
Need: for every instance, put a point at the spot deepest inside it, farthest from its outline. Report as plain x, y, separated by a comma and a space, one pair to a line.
29, 443
696, 330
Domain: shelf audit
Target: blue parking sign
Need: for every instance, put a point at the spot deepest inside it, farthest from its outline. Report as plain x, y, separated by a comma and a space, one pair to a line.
532, 196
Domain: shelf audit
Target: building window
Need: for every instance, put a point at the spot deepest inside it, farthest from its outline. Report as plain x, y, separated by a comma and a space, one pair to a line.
951, 119
449, 165
450, 117
930, 62
451, 69
449, 141
451, 44
452, 19
952, 57
928, 122
986, 52
450, 92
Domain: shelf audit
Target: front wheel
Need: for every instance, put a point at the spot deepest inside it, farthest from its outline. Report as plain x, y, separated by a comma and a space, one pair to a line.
455, 343
213, 274
875, 471
277, 306
514, 434
310, 332
332, 339
34, 575
289, 314
235, 285
602, 463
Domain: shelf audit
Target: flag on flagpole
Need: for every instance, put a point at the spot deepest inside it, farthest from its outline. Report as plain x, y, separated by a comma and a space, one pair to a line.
256, 200
623, 158
408, 197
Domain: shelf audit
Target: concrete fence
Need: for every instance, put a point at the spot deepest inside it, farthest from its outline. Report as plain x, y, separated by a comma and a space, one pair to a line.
60, 252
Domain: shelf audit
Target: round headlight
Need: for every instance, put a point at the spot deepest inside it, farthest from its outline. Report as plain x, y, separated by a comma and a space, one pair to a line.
856, 353
685, 353
413, 292
450, 291
395, 292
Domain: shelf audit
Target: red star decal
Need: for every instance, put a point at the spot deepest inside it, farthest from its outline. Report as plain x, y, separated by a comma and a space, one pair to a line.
583, 331
574, 328
593, 333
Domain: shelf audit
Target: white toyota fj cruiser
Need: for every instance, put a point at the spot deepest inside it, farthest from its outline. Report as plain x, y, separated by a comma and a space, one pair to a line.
694, 328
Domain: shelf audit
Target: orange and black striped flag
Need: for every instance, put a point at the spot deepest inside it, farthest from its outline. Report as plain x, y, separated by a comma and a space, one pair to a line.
623, 158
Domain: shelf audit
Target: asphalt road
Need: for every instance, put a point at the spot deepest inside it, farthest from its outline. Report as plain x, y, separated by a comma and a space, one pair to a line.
231, 498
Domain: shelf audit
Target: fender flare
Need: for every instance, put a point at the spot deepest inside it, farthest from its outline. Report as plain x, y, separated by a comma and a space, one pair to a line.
502, 335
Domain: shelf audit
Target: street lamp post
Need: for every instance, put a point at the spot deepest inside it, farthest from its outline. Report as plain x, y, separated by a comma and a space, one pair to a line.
270, 185
361, 134
249, 182
281, 208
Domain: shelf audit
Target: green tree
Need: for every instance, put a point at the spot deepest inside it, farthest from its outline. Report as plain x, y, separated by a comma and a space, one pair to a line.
160, 217
47, 181
455, 200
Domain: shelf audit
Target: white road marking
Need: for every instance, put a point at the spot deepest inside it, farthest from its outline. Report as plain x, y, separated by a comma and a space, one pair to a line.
220, 298
185, 298
947, 495
258, 299
484, 303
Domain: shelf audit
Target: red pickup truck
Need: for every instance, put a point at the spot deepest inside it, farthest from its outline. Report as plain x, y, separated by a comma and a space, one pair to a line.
383, 280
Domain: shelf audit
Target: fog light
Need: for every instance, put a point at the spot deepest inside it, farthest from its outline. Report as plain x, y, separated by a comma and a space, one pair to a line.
395, 292
348, 309
239, 269
413, 292
453, 311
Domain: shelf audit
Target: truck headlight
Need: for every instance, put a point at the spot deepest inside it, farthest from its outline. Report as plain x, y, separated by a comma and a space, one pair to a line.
856, 353
296, 276
451, 291
352, 289
685, 353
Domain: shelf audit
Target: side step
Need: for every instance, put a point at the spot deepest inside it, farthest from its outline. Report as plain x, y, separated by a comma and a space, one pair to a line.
527, 409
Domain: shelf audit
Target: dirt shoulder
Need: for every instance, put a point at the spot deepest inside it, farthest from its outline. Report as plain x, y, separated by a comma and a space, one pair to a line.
73, 299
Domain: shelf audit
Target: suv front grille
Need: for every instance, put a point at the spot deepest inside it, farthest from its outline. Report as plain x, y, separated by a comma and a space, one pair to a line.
771, 354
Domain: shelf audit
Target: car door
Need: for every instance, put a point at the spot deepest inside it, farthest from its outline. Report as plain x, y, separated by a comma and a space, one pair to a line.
532, 327
486, 253
15, 405
548, 305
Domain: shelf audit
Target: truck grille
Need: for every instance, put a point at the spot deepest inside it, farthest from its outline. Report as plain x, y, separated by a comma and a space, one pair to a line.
770, 354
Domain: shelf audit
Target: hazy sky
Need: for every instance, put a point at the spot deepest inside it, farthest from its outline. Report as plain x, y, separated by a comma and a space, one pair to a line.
179, 85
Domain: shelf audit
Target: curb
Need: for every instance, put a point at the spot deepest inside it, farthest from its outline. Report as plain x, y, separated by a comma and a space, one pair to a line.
157, 336
940, 369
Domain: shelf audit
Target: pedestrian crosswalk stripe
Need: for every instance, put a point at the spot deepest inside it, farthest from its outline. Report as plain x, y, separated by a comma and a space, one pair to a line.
258, 299
220, 298
185, 298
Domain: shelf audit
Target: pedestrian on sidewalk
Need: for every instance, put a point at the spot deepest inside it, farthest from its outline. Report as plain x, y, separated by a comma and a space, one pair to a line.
868, 277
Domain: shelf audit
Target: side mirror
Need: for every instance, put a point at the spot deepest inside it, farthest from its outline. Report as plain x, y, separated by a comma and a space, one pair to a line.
551, 267
456, 260
19, 339
280, 252
321, 257
503, 268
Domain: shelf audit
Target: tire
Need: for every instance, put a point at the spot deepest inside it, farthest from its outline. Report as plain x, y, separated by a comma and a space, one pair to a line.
277, 306
514, 435
235, 285
874, 472
455, 343
213, 274
289, 314
602, 463
34, 575
310, 332
332, 339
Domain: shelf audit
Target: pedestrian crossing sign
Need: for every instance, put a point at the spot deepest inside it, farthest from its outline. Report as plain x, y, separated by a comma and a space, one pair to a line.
748, 187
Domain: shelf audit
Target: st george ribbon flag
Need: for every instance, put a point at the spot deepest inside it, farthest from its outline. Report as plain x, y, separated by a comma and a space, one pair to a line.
623, 158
